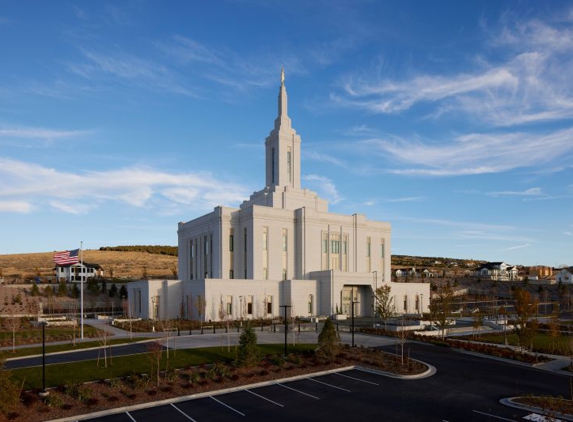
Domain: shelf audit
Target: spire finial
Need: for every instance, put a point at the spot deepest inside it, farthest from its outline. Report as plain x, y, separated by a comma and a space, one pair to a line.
283, 75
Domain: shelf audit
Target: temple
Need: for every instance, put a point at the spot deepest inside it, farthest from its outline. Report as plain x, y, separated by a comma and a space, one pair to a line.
280, 247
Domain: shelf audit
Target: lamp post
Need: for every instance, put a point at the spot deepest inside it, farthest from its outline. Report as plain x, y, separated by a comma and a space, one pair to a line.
286, 325
375, 301
44, 393
352, 302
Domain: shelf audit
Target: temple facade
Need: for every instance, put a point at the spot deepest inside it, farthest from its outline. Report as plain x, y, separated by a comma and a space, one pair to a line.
281, 249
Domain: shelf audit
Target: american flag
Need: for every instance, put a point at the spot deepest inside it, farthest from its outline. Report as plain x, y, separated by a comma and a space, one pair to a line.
67, 257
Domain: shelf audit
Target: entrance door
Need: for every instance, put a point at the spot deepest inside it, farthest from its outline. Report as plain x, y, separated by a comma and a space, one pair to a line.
350, 293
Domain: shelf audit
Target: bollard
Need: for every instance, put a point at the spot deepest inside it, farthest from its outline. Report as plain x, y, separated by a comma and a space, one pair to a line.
214, 329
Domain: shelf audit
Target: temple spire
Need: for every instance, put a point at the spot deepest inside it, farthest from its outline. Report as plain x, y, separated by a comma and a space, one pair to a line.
282, 118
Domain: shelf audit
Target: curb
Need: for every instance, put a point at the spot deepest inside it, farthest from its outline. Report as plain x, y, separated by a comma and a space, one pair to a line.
510, 403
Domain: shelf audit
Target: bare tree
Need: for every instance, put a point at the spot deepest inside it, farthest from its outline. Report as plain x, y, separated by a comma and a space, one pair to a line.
441, 308
155, 350
385, 307
200, 304
103, 339
525, 324
13, 323
223, 316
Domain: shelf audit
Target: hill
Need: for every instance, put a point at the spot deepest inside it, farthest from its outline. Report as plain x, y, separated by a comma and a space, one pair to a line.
117, 264
131, 262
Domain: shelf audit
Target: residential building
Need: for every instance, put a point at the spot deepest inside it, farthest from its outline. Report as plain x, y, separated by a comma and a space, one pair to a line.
499, 271
75, 272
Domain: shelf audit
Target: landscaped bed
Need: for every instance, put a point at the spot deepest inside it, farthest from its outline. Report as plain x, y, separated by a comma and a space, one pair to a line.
76, 398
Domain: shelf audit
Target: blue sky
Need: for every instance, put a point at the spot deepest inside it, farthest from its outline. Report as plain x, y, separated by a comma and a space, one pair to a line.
451, 120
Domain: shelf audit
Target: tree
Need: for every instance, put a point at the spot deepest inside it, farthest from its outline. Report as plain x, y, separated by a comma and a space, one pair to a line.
123, 292
103, 287
248, 353
200, 305
75, 291
384, 303
13, 324
34, 291
93, 287
329, 344
525, 309
62, 289
441, 308
113, 290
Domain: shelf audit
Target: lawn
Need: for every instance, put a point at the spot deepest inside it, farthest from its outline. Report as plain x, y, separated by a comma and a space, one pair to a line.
60, 374
542, 342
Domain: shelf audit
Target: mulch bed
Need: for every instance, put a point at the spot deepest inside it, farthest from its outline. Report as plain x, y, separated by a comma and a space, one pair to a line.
78, 399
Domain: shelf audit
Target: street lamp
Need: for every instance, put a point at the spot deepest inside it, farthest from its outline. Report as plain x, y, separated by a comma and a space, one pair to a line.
353, 302
375, 301
44, 393
286, 325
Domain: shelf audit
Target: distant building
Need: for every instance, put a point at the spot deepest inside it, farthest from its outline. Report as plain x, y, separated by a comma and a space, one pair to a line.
281, 247
540, 271
74, 272
499, 271
564, 276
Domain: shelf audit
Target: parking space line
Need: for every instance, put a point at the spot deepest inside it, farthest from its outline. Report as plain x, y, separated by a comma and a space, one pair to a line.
183, 413
298, 391
130, 417
495, 416
330, 385
226, 405
264, 398
357, 379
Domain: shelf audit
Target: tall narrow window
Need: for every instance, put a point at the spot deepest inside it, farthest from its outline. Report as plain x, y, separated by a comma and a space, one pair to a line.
231, 254
368, 254
265, 253
289, 166
345, 252
284, 253
229, 306
273, 165
269, 305
245, 251
324, 261
310, 304
382, 252
335, 251
191, 259
206, 256
250, 305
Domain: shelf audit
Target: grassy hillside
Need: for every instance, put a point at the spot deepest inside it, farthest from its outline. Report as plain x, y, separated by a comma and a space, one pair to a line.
123, 264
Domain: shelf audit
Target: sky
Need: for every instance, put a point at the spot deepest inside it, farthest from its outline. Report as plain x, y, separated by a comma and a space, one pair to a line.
451, 120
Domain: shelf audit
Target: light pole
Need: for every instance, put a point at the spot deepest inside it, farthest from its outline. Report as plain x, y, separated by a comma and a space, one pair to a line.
44, 393
286, 325
352, 302
375, 301
241, 310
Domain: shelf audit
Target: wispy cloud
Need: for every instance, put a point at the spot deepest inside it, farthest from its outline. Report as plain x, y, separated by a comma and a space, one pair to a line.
38, 133
129, 68
527, 192
79, 193
324, 158
513, 248
20, 207
325, 187
407, 199
525, 83
476, 153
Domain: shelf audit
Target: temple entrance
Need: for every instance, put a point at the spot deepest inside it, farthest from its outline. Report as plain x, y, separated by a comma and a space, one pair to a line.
356, 294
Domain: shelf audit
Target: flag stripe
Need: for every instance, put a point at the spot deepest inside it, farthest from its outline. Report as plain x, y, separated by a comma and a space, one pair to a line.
67, 257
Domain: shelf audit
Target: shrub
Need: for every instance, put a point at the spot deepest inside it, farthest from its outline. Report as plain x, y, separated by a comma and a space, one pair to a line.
248, 353
329, 344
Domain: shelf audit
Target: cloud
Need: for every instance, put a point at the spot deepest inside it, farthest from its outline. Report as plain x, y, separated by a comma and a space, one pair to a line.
520, 77
20, 207
512, 248
325, 187
324, 158
38, 133
527, 192
476, 153
130, 69
79, 193
407, 199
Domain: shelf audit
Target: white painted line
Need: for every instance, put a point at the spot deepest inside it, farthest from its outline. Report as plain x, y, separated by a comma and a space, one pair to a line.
227, 406
298, 391
357, 379
183, 413
130, 417
330, 385
540, 418
264, 398
495, 416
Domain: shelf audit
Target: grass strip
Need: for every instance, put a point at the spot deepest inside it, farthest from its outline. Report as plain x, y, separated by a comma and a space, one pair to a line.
86, 371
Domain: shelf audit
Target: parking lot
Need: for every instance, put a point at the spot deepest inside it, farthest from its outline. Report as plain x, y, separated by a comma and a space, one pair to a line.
348, 395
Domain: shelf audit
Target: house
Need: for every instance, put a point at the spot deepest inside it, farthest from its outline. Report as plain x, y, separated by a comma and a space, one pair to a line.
281, 250
499, 271
75, 272
564, 275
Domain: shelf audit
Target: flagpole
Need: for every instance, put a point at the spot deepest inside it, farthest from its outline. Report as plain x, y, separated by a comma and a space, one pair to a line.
82, 290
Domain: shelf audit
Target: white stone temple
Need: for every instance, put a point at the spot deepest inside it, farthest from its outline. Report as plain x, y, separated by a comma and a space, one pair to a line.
280, 247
